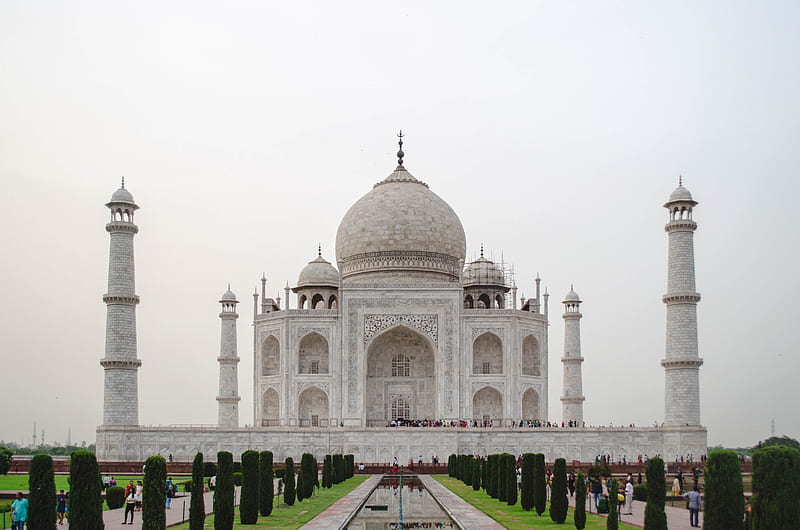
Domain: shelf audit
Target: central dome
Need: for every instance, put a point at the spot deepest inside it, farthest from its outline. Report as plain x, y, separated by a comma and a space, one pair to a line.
400, 231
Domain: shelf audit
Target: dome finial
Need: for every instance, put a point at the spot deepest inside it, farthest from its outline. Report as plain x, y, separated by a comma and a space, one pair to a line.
400, 153
680, 180
319, 250
481, 249
123, 183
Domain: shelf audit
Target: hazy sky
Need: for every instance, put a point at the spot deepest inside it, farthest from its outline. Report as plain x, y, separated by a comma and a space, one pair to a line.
245, 130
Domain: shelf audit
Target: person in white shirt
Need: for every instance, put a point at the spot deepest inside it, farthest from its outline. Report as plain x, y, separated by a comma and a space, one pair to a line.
629, 497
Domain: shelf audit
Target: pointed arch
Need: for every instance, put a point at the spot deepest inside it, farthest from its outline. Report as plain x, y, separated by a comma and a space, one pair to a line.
499, 302
531, 356
301, 302
332, 302
270, 356
469, 303
313, 407
530, 405
487, 404
270, 408
313, 354
317, 302
487, 354
484, 302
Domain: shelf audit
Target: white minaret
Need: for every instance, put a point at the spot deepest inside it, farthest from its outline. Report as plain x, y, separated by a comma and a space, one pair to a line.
572, 398
681, 362
228, 359
121, 387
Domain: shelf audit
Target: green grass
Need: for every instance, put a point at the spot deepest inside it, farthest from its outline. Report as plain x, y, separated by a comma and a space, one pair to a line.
20, 482
515, 517
284, 516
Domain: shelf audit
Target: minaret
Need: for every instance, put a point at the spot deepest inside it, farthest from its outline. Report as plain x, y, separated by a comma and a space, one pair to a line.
572, 398
681, 362
121, 387
228, 359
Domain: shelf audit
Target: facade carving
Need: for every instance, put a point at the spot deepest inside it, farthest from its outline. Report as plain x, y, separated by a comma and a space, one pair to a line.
427, 324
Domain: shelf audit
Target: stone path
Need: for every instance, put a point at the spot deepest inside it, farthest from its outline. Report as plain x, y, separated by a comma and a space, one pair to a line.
463, 513
677, 518
340, 511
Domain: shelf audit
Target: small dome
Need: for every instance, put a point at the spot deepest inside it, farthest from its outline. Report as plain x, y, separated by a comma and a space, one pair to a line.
318, 273
122, 195
572, 296
228, 296
483, 272
680, 194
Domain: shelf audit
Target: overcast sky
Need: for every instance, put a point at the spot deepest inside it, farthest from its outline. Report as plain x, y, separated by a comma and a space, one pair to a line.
245, 130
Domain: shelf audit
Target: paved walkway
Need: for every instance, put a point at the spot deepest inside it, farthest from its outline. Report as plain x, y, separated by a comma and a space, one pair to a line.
677, 518
340, 511
464, 514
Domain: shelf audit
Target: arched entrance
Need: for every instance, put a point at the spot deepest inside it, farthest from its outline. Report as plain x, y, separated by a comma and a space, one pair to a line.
270, 408
313, 407
487, 404
400, 377
530, 405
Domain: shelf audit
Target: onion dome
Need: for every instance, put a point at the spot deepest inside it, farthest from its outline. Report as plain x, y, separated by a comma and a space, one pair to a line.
680, 194
228, 296
318, 273
483, 272
572, 296
122, 196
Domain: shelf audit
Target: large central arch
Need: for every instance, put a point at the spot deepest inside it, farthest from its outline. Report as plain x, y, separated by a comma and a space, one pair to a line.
401, 377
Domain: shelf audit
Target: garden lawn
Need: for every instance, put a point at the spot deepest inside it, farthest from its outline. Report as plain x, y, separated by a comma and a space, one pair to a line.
284, 516
515, 517
19, 482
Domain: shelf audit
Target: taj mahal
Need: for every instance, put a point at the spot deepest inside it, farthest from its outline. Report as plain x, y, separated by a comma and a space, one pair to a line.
401, 327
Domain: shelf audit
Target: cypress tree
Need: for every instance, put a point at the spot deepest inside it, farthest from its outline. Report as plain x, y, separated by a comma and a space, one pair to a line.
85, 500
311, 474
539, 484
266, 490
42, 497
558, 492
327, 472
288, 480
502, 482
351, 465
724, 493
197, 505
776, 481
299, 488
526, 495
154, 494
468, 460
511, 480
612, 522
580, 502
223, 493
476, 473
654, 516
248, 502
488, 479
338, 469
451, 466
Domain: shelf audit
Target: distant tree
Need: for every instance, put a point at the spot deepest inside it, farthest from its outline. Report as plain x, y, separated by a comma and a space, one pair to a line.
779, 440
327, 471
612, 521
502, 480
350, 465
338, 468
491, 476
42, 497
526, 495
289, 493
724, 492
248, 501
197, 504
580, 502
85, 494
154, 494
468, 460
223, 493
776, 482
558, 492
266, 490
655, 518
511, 480
476, 473
6, 455
451, 466
539, 483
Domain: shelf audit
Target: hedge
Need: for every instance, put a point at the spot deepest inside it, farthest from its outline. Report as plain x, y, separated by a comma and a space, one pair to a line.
511, 480
209, 469
579, 515
115, 497
85, 500
640, 492
502, 482
612, 521
654, 516
327, 472
266, 491
476, 473
724, 493
154, 515
223, 494
197, 504
288, 479
558, 492
237, 478
42, 497
539, 483
248, 501
338, 468
776, 482
526, 495
451, 466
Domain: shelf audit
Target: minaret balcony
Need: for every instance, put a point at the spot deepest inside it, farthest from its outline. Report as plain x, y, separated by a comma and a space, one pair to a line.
678, 364
122, 226
127, 299
681, 297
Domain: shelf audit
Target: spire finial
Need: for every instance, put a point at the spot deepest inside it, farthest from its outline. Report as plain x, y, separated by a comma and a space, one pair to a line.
400, 153
481, 249
680, 180
319, 250
123, 183
571, 288
229, 286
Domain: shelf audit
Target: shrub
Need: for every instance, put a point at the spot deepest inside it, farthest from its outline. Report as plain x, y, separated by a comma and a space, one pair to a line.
266, 491
6, 455
85, 501
187, 485
539, 483
237, 467
558, 492
115, 497
612, 522
476, 473
223, 494
580, 502
248, 501
237, 478
350, 465
724, 493
308, 469
526, 495
654, 516
640, 492
468, 470
599, 470
288, 480
209, 469
327, 472
154, 494
42, 497
451, 466
197, 504
338, 469
502, 482
511, 480
776, 481
279, 472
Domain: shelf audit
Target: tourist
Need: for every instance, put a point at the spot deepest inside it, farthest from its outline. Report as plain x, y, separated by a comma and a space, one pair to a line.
139, 490
170, 493
694, 503
748, 510
130, 506
361, 468
597, 490
419, 460
61, 506
676, 487
629, 497
19, 512
106, 482
130, 488
571, 484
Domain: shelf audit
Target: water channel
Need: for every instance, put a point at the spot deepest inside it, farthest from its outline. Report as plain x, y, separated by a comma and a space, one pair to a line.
381, 510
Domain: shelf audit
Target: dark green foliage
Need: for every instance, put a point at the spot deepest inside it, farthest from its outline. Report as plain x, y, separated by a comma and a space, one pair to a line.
511, 479
476, 473
85, 502
299, 488
654, 516
724, 493
289, 492
580, 502
779, 440
209, 469
526, 495
612, 522
338, 469
640, 492
42, 497
6, 456
187, 485
308, 470
558, 492
451, 466
489, 482
223, 494
278, 472
502, 481
248, 502
599, 470
327, 472
115, 497
154, 494
197, 504
468, 470
237, 467
350, 464
266, 490
237, 478
776, 483
539, 483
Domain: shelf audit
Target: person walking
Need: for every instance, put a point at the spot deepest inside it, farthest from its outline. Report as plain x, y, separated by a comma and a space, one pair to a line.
130, 506
19, 512
597, 491
695, 501
170, 493
61, 506
629, 497
139, 490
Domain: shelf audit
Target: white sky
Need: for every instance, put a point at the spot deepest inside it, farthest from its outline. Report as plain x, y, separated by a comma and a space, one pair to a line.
245, 130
